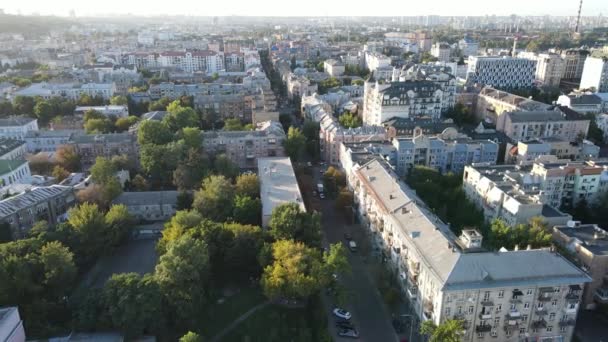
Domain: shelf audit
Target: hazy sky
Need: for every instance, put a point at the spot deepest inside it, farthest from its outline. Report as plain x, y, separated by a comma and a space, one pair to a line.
307, 7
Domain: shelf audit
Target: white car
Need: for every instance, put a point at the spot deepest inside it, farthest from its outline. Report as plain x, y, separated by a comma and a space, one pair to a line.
341, 313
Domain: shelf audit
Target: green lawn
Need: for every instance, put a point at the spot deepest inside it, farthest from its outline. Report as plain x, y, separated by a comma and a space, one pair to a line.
275, 323
221, 315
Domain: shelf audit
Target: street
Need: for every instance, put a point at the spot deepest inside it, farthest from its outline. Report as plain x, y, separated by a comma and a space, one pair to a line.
370, 315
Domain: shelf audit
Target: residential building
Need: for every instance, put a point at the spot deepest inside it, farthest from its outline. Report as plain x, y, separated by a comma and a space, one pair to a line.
149, 205
527, 293
468, 46
409, 99
492, 103
375, 60
158, 115
11, 325
119, 111
595, 73
278, 185
441, 51
333, 67
587, 245
396, 127
550, 67
16, 127
501, 72
11, 149
72, 91
300, 86
234, 62
191, 61
582, 102
318, 108
440, 74
244, 147
575, 62
48, 203
529, 151
563, 123
91, 146
49, 141
602, 123
14, 172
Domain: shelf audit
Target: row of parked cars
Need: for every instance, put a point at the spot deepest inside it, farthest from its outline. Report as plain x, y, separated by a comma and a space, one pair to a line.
344, 325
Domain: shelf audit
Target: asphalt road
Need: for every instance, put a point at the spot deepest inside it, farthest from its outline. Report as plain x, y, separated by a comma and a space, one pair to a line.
370, 316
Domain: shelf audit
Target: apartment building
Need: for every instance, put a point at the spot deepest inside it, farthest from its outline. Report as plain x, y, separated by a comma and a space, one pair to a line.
574, 63
440, 74
562, 122
582, 102
595, 72
526, 152
234, 61
448, 151
91, 146
244, 147
396, 127
588, 247
492, 103
518, 192
375, 60
72, 91
550, 67
300, 86
333, 67
119, 111
12, 149
529, 294
49, 141
47, 203
317, 108
278, 185
14, 172
441, 51
191, 61
16, 127
409, 99
501, 72
149, 205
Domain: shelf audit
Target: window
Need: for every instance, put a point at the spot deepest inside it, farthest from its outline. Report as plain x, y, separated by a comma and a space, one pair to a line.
508, 332
529, 292
522, 330
512, 306
498, 307
562, 329
480, 334
526, 305
552, 316
572, 306
447, 311
497, 321
540, 305
459, 310
493, 333
534, 331
471, 309
554, 302
486, 296
449, 299
556, 290
549, 328
524, 317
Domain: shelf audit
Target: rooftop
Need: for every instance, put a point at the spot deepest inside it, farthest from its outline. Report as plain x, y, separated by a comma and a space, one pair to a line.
27, 199
7, 166
589, 236
147, 198
278, 184
103, 138
15, 121
7, 145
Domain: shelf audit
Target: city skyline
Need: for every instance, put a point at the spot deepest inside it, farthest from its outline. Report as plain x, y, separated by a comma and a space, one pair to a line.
313, 8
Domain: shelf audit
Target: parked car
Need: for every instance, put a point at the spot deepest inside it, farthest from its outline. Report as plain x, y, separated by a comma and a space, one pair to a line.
322, 195
348, 237
352, 245
349, 333
341, 313
345, 325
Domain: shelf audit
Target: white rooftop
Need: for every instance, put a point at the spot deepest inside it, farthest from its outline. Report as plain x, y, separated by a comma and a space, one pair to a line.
278, 184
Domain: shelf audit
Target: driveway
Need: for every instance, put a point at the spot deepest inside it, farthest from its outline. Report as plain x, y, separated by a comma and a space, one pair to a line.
370, 315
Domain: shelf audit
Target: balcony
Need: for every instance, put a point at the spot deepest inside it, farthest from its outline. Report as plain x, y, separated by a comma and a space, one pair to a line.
541, 323
567, 322
601, 295
513, 314
483, 328
486, 315
412, 292
571, 310
540, 311
545, 294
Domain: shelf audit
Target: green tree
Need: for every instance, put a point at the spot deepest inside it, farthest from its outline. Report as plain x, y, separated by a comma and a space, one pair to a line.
119, 100
191, 337
59, 268
183, 274
139, 183
215, 198
102, 171
247, 185
180, 117
349, 120
123, 124
43, 111
297, 271
99, 126
182, 221
225, 167
60, 173
288, 221
118, 222
159, 161
233, 125
133, 303
161, 104
448, 331
88, 224
192, 137
153, 132
246, 209
294, 144
532, 46
24, 104
6, 233
67, 157
190, 171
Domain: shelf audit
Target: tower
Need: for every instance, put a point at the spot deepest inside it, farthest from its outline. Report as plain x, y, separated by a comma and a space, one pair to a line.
578, 17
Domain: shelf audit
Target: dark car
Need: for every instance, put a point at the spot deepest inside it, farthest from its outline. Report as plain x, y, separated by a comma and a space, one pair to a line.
352, 333
348, 237
345, 325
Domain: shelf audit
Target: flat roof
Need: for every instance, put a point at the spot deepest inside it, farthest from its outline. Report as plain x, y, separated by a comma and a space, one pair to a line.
590, 236
278, 184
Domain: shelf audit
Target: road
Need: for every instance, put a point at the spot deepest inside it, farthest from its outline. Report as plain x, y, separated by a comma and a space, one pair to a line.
370, 315
591, 326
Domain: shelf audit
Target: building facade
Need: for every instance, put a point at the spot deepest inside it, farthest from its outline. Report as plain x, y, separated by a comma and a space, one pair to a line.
595, 73
574, 63
501, 72
91, 146
441, 51
491, 103
49, 141
563, 123
550, 67
149, 205
14, 172
17, 127
11, 149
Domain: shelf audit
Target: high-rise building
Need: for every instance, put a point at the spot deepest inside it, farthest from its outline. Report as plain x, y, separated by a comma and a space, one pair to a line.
501, 72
